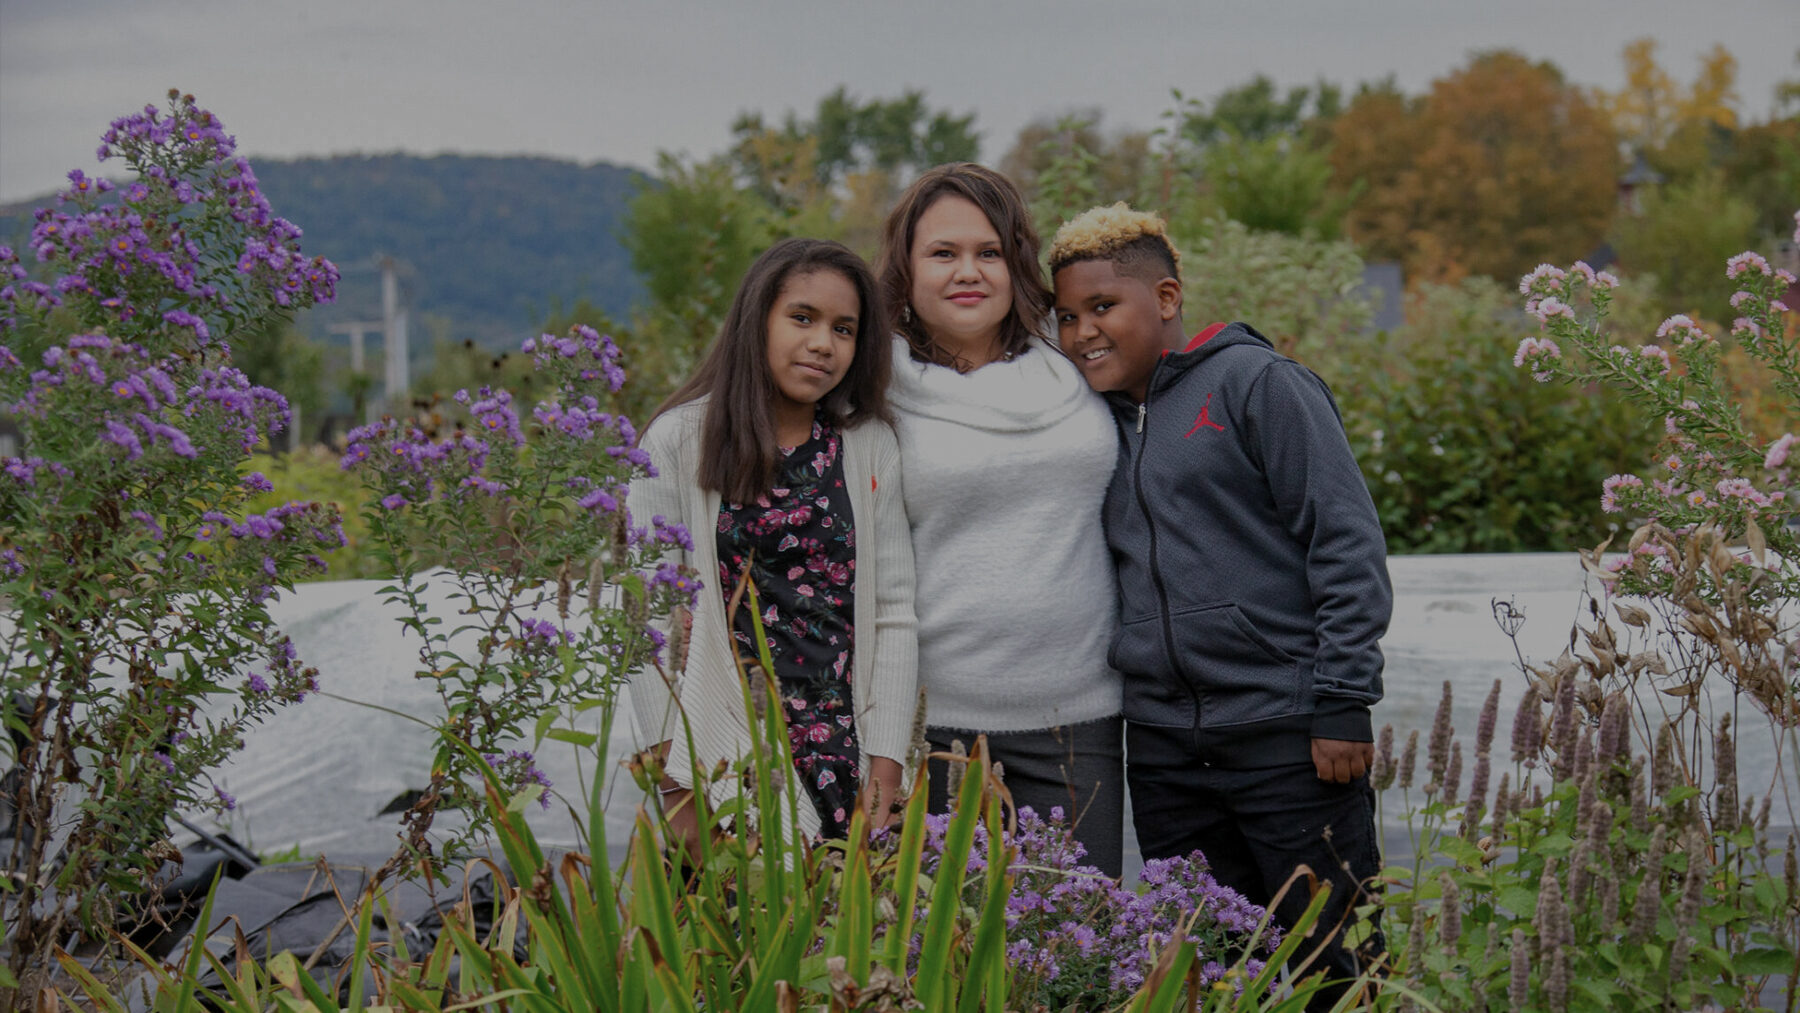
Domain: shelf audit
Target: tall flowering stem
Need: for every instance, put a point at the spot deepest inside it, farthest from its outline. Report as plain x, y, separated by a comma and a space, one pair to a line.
134, 578
1714, 470
522, 515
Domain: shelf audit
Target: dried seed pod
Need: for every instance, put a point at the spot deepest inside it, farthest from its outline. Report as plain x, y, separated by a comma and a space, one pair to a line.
1502, 805
1563, 725
1640, 801
1477, 804
1556, 982
1518, 987
1725, 796
1449, 913
1662, 770
1578, 874
1484, 727
1438, 750
1649, 896
1607, 885
1527, 729
1452, 782
1382, 777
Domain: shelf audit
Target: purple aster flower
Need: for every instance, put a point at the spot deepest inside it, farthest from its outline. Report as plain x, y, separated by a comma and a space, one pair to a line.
393, 501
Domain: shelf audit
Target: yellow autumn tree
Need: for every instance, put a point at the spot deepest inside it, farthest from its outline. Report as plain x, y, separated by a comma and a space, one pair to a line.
1676, 126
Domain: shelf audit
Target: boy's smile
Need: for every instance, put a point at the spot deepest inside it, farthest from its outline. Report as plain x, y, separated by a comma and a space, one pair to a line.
1115, 326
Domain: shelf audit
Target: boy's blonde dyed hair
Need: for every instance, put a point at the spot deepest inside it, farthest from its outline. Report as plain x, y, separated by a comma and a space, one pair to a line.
1116, 232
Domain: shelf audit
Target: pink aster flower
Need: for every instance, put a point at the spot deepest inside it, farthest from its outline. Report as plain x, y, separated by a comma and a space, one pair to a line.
1549, 275
1551, 307
1745, 261
1778, 451
1609, 501
1606, 281
1657, 352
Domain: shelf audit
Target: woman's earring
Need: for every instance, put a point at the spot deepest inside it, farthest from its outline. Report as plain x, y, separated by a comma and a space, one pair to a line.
906, 314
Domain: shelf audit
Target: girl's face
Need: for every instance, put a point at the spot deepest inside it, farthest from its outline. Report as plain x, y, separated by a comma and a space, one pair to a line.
961, 289
812, 339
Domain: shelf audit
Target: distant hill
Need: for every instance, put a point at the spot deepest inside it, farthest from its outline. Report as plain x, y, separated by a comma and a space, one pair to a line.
487, 246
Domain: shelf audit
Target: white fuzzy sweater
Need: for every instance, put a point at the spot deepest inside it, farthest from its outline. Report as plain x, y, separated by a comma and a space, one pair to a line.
710, 692
1005, 470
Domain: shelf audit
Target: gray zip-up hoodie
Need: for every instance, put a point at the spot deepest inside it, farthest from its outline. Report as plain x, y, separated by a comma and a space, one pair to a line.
1252, 569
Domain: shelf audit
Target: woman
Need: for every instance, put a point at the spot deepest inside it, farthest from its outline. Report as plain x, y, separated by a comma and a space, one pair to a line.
1005, 455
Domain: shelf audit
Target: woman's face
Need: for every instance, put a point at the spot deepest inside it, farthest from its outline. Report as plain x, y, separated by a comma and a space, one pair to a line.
961, 289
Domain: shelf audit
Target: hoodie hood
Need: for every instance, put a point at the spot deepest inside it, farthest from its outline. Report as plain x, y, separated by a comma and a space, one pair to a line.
1032, 392
1173, 365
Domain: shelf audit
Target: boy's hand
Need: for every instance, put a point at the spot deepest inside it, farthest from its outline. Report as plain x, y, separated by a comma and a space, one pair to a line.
1341, 762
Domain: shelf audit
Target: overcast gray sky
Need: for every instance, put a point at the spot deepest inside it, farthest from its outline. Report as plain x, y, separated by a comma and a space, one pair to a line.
620, 81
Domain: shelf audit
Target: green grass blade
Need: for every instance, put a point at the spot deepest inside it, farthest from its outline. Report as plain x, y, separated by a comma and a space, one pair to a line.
935, 984
987, 970
906, 877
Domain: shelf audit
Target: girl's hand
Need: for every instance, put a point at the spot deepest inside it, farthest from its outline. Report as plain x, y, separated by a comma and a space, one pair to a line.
883, 792
682, 815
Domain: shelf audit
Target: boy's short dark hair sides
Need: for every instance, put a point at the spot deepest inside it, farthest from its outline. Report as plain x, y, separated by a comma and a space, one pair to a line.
1135, 242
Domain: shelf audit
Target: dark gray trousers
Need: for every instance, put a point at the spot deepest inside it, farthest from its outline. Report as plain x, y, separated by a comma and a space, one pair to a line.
1078, 768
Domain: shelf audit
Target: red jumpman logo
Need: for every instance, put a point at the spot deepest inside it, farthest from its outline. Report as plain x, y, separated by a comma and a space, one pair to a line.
1205, 419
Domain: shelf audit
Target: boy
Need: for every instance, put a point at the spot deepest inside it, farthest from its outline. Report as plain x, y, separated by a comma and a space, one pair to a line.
1252, 578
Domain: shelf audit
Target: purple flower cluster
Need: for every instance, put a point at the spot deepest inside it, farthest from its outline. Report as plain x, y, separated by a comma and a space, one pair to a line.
190, 189
541, 635
517, 770
493, 413
677, 580
411, 465
1079, 938
284, 679
585, 356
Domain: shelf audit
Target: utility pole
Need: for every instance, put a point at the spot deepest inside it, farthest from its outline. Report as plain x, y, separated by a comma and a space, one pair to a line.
358, 331
393, 327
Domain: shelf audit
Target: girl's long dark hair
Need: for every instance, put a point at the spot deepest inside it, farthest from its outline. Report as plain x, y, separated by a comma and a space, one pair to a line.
737, 439
1005, 209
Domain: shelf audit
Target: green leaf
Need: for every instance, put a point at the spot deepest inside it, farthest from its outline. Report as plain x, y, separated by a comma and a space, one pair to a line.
1760, 962
572, 736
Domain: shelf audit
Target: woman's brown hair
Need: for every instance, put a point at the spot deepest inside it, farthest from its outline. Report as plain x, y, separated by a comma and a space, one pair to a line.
737, 438
1005, 209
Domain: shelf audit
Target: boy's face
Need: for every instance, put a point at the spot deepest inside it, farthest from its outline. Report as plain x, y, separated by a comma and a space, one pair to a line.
1115, 326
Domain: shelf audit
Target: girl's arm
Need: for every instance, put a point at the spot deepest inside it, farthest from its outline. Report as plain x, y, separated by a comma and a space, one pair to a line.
892, 696
653, 690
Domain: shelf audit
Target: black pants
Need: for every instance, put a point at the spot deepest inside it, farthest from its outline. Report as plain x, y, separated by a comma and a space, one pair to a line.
1255, 827
1079, 768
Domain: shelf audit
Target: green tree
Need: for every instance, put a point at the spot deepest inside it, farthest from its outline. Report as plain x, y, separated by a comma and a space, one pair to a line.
1303, 293
1685, 232
282, 358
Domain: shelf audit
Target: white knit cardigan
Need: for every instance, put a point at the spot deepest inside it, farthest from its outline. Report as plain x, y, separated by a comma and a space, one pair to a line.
710, 692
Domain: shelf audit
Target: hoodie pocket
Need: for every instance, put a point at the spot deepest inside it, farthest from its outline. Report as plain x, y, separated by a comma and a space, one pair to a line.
1154, 693
1239, 675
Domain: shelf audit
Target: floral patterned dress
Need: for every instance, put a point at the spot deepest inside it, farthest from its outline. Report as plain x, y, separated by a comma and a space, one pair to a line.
799, 543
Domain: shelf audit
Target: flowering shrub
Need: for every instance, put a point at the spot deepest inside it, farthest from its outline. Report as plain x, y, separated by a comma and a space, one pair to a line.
134, 577
1462, 452
525, 517
1714, 469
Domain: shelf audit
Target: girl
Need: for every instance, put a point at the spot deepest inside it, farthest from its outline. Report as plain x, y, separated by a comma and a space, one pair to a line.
779, 458
1006, 454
